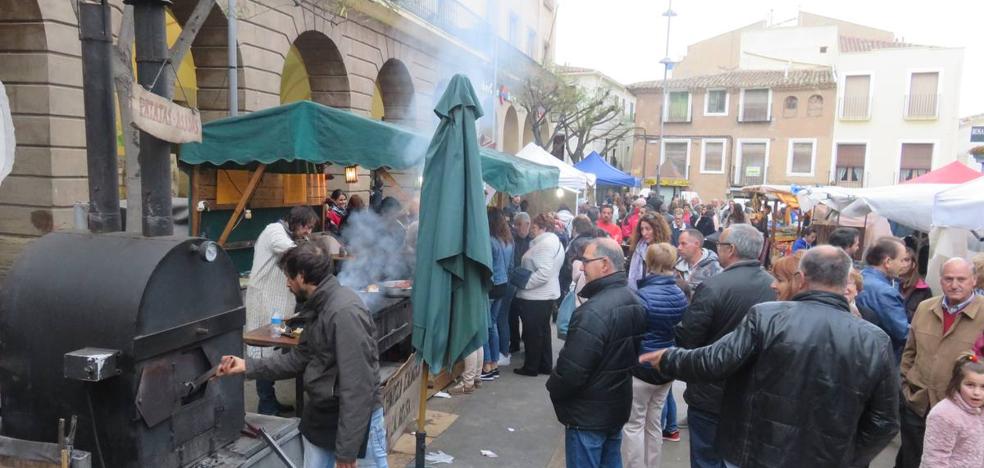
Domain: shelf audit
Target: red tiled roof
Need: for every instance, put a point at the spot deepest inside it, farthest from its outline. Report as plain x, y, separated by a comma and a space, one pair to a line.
850, 44
821, 78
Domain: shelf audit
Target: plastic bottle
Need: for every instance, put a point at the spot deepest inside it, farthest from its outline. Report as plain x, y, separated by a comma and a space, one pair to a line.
277, 320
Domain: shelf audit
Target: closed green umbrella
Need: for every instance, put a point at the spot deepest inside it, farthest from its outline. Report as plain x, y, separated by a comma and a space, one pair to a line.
454, 255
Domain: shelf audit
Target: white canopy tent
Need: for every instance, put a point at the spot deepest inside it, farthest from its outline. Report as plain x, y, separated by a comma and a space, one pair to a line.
909, 205
7, 142
570, 177
961, 206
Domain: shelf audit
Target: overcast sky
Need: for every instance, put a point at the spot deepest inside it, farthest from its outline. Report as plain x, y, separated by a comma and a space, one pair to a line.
625, 39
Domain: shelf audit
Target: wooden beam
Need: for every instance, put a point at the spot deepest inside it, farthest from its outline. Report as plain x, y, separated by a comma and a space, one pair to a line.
123, 79
190, 30
250, 188
401, 194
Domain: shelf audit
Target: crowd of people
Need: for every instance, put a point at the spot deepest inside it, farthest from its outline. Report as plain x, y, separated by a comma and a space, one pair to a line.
809, 359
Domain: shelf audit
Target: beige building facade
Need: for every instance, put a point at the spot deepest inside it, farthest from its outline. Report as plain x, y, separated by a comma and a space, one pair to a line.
387, 60
727, 130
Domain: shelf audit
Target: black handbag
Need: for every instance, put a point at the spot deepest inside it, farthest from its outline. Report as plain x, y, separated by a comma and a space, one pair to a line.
499, 290
520, 276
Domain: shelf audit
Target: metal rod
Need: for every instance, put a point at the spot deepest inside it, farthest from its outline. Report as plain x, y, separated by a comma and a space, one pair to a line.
233, 60
155, 154
422, 418
95, 33
666, 100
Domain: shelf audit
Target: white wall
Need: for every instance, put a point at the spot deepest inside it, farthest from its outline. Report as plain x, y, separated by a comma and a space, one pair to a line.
595, 82
773, 49
887, 128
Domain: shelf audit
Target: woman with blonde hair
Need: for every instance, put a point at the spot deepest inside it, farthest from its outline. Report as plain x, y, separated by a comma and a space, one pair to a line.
665, 304
788, 278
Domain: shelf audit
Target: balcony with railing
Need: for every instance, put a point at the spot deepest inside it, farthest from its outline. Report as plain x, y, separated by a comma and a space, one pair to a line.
855, 108
755, 113
453, 18
922, 106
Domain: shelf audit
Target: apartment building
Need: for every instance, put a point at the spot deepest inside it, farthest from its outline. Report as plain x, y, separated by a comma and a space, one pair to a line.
896, 103
726, 130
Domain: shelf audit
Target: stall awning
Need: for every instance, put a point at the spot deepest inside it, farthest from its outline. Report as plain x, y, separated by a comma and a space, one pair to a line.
290, 137
569, 176
605, 173
515, 176
953, 173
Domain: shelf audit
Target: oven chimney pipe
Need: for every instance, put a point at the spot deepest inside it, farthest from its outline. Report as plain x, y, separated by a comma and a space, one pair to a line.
155, 154
96, 35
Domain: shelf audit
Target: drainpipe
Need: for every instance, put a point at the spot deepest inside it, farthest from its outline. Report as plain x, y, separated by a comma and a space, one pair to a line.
95, 33
155, 154
233, 60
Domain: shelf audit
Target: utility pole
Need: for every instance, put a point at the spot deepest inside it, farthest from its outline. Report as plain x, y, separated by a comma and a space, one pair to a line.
155, 154
667, 64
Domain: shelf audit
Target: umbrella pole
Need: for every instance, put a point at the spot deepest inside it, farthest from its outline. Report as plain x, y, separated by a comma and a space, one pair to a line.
421, 419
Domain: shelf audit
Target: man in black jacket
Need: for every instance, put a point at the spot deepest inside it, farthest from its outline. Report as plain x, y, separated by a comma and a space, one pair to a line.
808, 384
337, 355
590, 387
719, 304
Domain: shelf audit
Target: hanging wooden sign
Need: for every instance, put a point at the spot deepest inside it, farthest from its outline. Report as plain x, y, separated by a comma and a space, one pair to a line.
164, 119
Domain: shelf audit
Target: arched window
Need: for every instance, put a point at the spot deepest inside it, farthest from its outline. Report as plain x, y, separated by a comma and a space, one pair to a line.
815, 107
789, 106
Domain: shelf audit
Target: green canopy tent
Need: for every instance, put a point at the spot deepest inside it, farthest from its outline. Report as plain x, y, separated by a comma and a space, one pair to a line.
290, 137
296, 137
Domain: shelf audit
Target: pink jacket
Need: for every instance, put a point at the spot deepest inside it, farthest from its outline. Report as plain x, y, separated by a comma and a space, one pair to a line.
954, 435
979, 346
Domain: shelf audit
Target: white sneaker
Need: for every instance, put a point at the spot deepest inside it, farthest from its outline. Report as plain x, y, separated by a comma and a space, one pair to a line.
503, 360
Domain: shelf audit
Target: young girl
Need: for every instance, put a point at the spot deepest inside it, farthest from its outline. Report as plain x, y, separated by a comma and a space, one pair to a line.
955, 426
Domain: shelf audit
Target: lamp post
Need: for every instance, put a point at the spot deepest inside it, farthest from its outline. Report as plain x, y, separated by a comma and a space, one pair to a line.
667, 65
645, 146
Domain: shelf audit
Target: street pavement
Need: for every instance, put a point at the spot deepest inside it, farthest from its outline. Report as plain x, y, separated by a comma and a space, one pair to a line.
522, 403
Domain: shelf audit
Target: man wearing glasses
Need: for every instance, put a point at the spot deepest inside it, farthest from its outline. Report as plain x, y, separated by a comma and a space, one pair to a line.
590, 387
719, 304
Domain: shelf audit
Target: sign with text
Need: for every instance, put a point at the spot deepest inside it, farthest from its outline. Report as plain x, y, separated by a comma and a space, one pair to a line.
164, 119
976, 133
401, 397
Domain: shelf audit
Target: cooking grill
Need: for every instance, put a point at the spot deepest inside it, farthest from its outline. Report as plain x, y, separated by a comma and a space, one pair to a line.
122, 331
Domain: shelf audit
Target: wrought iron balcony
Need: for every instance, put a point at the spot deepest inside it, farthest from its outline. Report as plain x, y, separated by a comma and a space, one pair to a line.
453, 18
922, 106
855, 108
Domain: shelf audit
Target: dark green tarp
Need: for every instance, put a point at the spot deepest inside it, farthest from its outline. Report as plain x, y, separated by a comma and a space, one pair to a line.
292, 137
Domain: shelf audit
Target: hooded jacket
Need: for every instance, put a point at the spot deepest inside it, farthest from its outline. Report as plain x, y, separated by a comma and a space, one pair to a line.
706, 267
590, 387
808, 385
338, 357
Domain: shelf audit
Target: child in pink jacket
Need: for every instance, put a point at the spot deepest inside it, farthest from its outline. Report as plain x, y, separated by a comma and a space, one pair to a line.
955, 426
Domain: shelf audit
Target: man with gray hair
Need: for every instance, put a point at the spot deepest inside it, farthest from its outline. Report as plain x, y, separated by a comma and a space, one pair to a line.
719, 304
942, 328
591, 387
808, 384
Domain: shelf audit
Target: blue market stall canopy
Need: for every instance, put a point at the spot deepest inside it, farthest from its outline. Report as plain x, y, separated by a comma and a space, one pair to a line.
607, 175
289, 138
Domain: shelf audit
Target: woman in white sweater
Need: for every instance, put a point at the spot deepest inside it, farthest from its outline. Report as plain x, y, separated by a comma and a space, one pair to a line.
534, 301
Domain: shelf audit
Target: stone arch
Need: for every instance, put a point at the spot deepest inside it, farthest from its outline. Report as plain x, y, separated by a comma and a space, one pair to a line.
528, 129
510, 132
395, 88
210, 49
326, 75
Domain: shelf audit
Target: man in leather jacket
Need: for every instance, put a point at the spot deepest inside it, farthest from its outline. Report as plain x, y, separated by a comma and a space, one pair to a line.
590, 387
718, 306
808, 384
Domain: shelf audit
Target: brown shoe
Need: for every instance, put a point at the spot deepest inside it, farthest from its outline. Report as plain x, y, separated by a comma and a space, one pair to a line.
461, 389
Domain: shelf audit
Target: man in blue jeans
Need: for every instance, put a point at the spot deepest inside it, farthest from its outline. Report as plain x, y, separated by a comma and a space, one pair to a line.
591, 387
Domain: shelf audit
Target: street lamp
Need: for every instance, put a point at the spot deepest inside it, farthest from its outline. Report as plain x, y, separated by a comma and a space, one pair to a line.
667, 65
